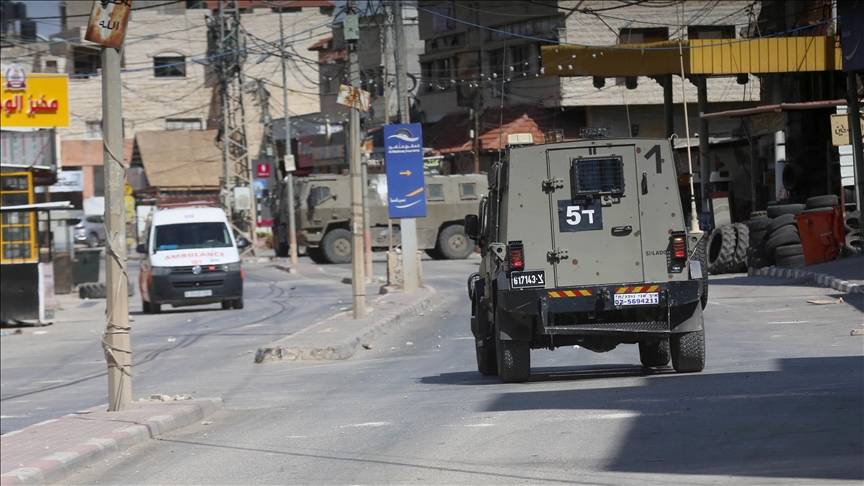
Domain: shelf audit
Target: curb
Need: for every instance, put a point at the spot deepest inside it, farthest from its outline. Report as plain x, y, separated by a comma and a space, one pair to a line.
346, 348
60, 465
819, 279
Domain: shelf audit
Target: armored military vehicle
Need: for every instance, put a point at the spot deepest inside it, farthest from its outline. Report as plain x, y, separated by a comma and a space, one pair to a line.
584, 243
323, 213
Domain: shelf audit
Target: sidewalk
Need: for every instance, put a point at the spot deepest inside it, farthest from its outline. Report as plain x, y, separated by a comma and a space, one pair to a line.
846, 275
53, 450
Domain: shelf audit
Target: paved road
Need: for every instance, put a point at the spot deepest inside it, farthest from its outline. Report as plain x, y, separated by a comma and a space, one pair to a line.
201, 350
780, 402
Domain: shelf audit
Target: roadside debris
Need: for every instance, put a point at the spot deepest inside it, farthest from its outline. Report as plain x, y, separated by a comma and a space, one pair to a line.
826, 301
368, 345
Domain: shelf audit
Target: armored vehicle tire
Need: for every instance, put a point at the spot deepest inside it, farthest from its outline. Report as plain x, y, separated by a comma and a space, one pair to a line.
654, 354
434, 254
700, 256
316, 255
487, 361
513, 358
282, 249
336, 246
688, 351
453, 243
238, 303
775, 211
226, 305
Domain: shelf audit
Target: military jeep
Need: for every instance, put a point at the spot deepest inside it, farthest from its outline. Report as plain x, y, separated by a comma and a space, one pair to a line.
584, 243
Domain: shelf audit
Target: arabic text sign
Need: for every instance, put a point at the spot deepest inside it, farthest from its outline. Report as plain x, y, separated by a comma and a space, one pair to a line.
403, 151
34, 100
840, 132
108, 21
354, 98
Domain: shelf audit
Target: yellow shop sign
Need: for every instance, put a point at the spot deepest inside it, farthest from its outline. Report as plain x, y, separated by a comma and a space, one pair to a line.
33, 100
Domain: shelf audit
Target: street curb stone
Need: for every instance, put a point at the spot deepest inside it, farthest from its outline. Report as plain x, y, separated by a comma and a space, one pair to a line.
819, 279
346, 347
60, 465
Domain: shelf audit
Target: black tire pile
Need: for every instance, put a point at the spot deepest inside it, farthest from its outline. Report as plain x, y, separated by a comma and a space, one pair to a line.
98, 290
727, 249
774, 237
854, 233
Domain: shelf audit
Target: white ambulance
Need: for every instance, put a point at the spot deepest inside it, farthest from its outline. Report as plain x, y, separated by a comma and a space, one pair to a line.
190, 257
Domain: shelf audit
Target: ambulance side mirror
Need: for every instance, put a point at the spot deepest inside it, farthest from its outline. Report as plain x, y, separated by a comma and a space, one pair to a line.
243, 243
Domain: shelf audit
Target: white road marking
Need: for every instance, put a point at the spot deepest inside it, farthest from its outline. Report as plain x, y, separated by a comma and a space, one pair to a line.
367, 424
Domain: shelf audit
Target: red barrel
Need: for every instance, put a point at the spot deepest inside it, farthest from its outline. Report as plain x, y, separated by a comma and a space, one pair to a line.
822, 234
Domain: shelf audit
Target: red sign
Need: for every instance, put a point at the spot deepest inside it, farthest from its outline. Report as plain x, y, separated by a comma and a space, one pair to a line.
262, 171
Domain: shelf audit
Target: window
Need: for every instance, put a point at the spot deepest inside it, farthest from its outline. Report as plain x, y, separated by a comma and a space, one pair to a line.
436, 192
169, 67
185, 236
441, 23
183, 124
51, 66
468, 191
644, 36
438, 74
711, 32
85, 61
519, 58
598, 176
93, 130
546, 28
317, 195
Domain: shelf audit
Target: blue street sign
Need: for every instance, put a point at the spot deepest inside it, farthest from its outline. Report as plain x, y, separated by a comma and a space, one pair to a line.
403, 150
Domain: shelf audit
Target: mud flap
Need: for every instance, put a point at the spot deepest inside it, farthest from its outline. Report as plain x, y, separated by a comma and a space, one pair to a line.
514, 327
687, 317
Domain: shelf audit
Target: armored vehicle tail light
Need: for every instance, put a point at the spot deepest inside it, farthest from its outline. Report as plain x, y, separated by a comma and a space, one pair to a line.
517, 255
679, 247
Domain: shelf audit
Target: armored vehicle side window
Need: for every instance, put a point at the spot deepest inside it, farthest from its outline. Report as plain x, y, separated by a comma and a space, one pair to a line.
317, 195
468, 191
597, 176
436, 192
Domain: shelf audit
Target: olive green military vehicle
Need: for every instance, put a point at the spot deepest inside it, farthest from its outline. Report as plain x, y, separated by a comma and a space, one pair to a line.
323, 214
584, 243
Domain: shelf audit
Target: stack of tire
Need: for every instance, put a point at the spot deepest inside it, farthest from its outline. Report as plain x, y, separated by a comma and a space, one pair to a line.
727, 249
854, 233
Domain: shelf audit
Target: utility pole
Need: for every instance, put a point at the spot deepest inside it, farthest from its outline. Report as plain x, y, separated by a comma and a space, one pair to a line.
854, 113
239, 205
289, 171
408, 227
115, 338
387, 48
476, 132
358, 276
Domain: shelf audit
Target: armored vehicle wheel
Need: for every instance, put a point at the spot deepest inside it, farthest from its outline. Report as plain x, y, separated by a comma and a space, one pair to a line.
688, 351
238, 303
336, 246
514, 359
282, 249
226, 304
434, 254
453, 244
316, 255
487, 361
654, 354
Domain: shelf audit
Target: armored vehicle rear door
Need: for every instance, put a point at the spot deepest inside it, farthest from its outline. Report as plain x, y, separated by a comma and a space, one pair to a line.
594, 211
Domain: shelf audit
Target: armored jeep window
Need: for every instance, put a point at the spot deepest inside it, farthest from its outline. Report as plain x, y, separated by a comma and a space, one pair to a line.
598, 176
436, 192
468, 191
318, 194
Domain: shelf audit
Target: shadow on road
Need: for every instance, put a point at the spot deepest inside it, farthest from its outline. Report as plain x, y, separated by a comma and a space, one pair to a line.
803, 420
558, 373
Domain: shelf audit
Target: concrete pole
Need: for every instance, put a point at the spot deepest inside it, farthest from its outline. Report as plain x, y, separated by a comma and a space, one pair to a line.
387, 49
704, 155
407, 226
367, 235
289, 175
115, 340
854, 113
358, 276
